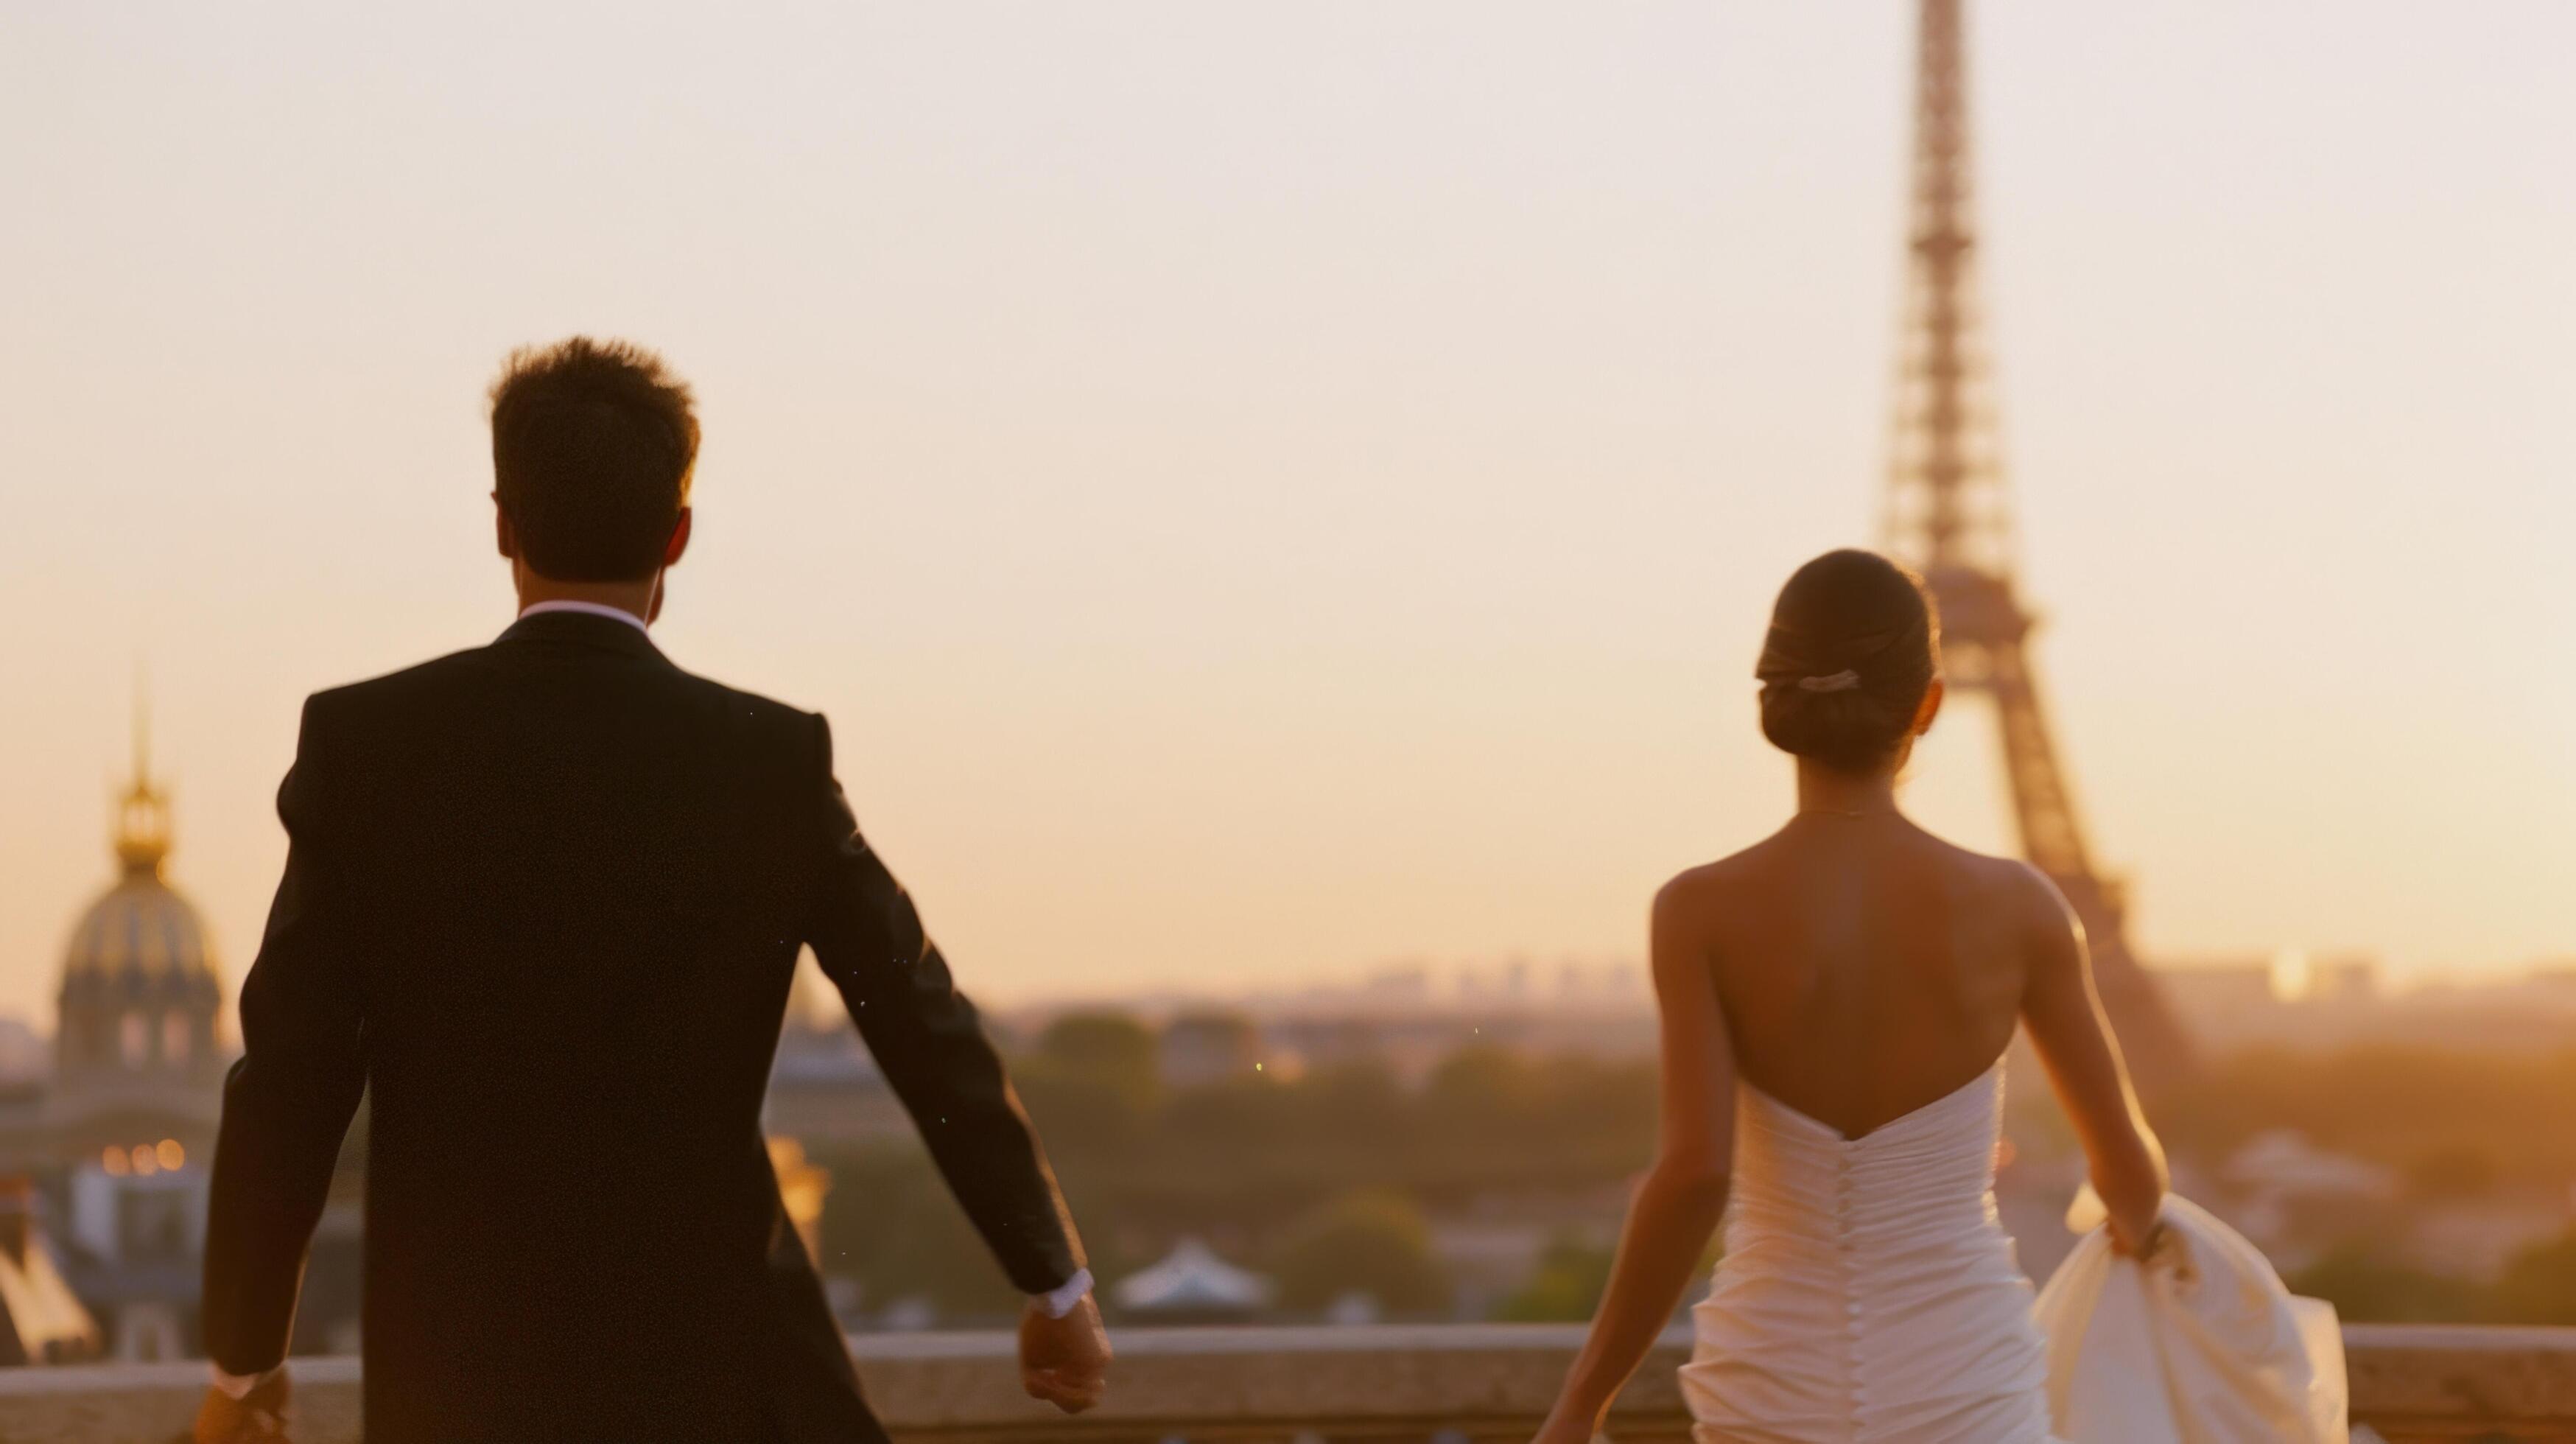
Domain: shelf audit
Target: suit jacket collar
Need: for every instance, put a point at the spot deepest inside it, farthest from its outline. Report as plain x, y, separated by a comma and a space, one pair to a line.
583, 629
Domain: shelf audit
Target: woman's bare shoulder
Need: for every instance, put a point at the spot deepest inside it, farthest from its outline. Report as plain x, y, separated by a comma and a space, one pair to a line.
2003, 875
1707, 888
2026, 895
2015, 887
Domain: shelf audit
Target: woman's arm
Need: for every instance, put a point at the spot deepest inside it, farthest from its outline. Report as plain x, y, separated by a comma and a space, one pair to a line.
2064, 1015
1678, 1203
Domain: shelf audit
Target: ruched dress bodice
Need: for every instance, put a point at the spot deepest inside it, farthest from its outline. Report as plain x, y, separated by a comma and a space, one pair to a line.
1868, 1292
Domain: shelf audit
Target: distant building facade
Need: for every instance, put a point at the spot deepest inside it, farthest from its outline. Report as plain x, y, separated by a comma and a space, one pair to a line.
117, 1134
136, 1064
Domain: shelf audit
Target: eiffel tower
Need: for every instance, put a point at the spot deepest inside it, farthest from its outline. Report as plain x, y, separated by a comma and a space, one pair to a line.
1948, 516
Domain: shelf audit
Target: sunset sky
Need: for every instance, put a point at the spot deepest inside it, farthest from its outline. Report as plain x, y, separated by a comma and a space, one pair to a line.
1267, 489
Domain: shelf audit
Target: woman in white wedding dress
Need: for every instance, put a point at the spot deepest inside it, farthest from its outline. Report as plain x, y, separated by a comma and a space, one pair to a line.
1836, 1002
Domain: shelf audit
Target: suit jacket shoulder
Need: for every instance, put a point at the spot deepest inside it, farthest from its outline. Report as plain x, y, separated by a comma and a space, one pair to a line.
395, 694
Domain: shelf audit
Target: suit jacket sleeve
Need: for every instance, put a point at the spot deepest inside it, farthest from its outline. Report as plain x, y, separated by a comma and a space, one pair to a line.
288, 1100
929, 1043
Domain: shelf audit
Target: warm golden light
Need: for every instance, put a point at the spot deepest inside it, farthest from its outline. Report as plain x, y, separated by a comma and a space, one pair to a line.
1490, 719
170, 1154
113, 1160
145, 1165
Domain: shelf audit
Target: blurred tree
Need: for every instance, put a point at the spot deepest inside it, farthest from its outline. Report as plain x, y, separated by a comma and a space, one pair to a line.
2390, 1104
1492, 1118
1268, 1162
2367, 1289
1564, 1289
1484, 1088
2452, 1171
1227, 1156
1092, 1085
1082, 1119
1110, 1048
1369, 1242
2538, 1285
890, 1223
1567, 1284
1345, 1117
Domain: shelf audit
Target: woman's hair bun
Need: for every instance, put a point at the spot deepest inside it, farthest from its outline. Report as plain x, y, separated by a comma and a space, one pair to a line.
1854, 644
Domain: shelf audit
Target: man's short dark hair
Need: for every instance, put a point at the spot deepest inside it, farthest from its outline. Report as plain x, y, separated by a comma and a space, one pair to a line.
592, 444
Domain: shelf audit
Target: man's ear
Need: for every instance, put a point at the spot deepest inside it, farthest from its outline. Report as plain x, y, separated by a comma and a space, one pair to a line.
1930, 707
505, 535
679, 540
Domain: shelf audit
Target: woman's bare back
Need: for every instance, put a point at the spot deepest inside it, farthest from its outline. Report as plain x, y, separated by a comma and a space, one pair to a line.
1858, 971
1865, 967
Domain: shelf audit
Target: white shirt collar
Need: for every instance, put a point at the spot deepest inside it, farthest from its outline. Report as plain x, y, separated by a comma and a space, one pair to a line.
593, 608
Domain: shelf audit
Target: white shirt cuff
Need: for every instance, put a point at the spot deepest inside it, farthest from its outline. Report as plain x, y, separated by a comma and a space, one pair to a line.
1060, 1300
235, 1386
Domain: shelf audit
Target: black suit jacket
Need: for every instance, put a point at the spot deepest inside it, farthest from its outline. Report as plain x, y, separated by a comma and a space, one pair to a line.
543, 901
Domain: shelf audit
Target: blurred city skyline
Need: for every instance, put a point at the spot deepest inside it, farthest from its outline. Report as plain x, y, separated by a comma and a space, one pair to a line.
1264, 491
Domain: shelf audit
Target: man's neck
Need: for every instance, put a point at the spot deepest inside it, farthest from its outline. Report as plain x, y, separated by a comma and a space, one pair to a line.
634, 597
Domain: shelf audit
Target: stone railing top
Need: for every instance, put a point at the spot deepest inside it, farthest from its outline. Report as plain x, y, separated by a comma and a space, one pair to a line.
1490, 1381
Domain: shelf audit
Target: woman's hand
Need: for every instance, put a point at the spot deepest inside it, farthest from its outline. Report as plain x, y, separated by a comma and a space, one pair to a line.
2162, 1251
2124, 1244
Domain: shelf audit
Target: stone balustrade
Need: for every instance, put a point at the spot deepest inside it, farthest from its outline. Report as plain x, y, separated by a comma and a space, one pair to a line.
1465, 1384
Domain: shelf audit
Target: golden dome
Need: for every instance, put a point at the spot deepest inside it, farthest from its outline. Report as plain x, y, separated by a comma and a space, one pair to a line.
141, 935
140, 932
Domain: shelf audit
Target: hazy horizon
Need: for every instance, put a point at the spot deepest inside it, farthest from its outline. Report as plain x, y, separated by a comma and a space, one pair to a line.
1262, 491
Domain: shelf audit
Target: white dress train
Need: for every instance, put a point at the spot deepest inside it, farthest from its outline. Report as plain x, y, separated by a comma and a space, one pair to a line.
2201, 1346
1870, 1295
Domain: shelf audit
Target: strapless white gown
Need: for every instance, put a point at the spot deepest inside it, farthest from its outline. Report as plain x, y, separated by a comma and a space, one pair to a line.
1868, 1291
1869, 1294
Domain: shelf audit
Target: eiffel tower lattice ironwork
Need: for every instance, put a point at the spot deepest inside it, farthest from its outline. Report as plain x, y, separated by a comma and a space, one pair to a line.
1948, 515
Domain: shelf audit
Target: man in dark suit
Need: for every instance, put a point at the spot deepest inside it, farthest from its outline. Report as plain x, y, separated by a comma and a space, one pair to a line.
543, 902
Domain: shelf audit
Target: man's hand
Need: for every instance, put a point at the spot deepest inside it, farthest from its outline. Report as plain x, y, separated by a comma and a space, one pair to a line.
258, 1417
1063, 1361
